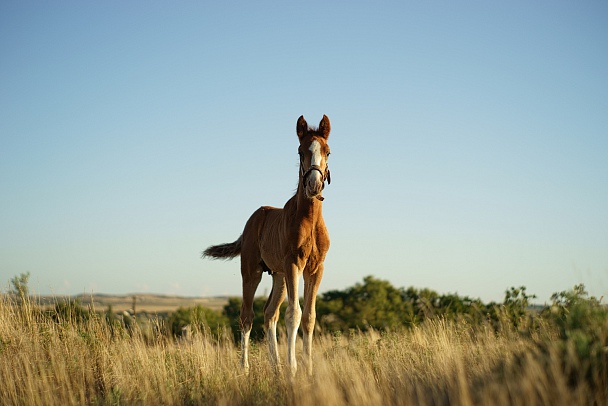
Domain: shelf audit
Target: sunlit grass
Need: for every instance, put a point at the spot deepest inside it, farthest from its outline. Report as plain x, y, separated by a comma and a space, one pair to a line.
47, 362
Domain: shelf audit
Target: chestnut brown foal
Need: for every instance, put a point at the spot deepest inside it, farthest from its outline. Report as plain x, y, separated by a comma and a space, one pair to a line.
286, 243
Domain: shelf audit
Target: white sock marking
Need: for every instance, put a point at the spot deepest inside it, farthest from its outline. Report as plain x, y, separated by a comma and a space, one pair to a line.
272, 343
245, 349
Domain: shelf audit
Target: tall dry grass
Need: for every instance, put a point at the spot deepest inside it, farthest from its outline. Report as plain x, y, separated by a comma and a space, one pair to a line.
63, 362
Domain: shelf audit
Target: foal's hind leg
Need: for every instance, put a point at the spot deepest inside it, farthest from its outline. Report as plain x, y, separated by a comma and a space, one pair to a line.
252, 275
271, 315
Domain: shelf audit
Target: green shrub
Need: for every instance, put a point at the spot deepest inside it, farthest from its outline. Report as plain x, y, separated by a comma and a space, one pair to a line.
581, 324
199, 318
70, 311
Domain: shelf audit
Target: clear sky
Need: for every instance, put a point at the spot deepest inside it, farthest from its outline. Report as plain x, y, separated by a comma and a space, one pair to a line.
469, 141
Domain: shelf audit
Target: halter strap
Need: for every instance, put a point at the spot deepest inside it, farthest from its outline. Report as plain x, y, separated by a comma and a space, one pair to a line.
325, 176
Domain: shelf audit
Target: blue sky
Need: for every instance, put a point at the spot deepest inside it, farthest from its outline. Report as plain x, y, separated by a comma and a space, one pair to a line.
469, 141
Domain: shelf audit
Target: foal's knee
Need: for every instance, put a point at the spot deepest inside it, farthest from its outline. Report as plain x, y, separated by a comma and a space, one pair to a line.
270, 318
293, 315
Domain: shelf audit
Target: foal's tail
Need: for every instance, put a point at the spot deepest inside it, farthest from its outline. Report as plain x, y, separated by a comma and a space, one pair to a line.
224, 251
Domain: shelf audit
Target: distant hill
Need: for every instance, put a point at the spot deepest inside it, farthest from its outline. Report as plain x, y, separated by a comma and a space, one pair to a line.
143, 302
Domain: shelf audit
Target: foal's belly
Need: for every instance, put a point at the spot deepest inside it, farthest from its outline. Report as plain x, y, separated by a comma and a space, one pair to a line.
273, 263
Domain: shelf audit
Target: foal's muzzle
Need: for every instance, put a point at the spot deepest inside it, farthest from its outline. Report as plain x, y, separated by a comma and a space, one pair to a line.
313, 181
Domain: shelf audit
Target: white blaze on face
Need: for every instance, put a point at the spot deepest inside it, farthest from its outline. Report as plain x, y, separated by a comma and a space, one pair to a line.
315, 148
315, 180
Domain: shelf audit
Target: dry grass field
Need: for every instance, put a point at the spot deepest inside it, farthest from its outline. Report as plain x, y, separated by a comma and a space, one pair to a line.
143, 302
61, 361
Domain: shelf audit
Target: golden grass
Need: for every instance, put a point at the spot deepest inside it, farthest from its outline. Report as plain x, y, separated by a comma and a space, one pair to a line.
45, 362
144, 302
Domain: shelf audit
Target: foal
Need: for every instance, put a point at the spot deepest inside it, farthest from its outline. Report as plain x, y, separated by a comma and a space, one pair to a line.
286, 243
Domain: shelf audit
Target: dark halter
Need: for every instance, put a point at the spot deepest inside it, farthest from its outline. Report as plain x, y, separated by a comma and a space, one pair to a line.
324, 175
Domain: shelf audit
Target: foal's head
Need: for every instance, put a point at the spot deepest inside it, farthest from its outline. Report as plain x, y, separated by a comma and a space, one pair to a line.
313, 152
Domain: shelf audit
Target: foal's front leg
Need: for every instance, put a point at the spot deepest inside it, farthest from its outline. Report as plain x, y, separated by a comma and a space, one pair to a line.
293, 314
311, 286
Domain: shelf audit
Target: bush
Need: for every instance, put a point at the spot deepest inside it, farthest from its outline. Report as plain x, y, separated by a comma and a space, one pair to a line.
19, 286
373, 304
376, 304
581, 324
199, 318
70, 312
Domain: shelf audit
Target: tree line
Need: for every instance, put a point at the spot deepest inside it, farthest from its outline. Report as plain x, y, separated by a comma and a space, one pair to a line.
376, 304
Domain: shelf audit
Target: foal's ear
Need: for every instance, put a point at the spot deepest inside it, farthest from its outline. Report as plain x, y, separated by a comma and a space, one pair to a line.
301, 127
324, 126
